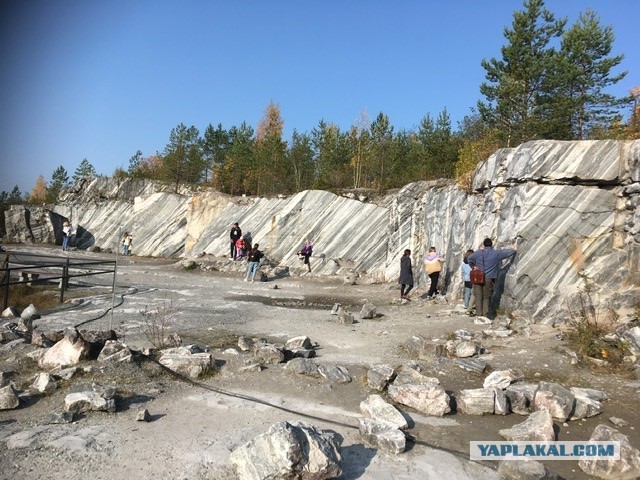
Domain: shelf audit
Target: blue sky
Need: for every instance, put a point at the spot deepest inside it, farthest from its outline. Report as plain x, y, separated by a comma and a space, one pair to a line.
102, 79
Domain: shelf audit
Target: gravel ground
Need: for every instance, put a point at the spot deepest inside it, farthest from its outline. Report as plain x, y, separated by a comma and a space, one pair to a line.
195, 425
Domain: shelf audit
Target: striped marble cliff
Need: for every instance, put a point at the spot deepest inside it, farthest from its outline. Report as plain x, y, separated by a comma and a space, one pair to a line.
574, 206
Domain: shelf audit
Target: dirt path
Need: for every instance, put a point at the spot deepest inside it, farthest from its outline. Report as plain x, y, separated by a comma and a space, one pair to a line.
195, 425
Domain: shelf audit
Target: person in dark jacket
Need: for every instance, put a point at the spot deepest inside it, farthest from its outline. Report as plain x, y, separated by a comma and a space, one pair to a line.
253, 257
234, 235
488, 260
406, 275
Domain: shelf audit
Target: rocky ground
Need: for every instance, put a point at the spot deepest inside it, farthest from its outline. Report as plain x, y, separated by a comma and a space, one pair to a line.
196, 424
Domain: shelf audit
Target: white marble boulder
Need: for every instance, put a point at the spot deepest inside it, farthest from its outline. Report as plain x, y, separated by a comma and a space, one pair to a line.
538, 427
429, 399
289, 450
626, 468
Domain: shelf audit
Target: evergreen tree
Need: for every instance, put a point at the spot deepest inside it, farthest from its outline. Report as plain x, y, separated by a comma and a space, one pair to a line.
586, 72
236, 174
381, 139
59, 180
182, 161
15, 197
136, 163
214, 147
402, 163
517, 88
423, 141
331, 156
444, 149
85, 170
300, 158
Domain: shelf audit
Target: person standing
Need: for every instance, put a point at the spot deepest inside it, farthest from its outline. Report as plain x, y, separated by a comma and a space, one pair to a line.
433, 266
305, 252
234, 235
406, 275
253, 257
127, 243
465, 272
241, 248
488, 260
66, 235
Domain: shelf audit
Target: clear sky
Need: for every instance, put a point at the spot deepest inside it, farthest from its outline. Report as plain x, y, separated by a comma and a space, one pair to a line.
101, 79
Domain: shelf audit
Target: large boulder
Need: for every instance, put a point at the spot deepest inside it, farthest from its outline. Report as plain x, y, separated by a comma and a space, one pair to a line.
294, 451
538, 427
8, 398
428, 399
555, 399
627, 467
377, 408
71, 350
184, 361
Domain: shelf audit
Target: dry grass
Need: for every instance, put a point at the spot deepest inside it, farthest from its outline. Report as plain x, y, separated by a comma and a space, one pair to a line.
43, 297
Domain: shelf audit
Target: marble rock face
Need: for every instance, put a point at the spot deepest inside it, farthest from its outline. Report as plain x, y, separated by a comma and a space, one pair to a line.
575, 207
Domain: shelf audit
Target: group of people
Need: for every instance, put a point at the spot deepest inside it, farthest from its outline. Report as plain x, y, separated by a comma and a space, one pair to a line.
432, 267
482, 268
480, 294
241, 248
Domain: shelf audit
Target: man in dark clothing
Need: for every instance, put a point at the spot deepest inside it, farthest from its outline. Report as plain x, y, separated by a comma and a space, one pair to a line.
253, 257
488, 260
235, 234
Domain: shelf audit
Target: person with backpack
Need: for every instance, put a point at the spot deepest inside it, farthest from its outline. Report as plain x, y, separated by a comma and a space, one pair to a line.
485, 268
253, 257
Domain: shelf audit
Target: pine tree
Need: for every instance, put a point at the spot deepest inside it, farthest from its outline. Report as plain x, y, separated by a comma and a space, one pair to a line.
300, 159
517, 90
84, 171
135, 169
236, 175
586, 72
381, 139
331, 156
59, 180
214, 147
182, 161
15, 197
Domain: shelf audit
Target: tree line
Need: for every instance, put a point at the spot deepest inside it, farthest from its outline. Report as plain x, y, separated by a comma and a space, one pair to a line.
550, 82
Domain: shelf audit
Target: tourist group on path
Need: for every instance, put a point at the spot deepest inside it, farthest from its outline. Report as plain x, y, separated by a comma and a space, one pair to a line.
480, 271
